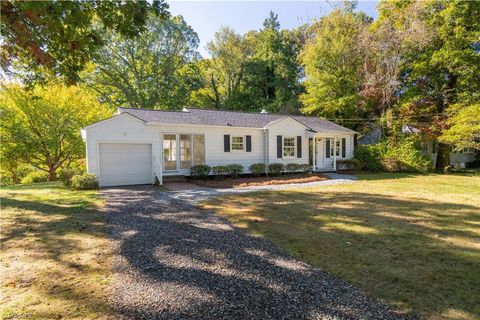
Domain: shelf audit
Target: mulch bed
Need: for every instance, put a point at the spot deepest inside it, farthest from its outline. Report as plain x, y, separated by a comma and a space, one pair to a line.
225, 183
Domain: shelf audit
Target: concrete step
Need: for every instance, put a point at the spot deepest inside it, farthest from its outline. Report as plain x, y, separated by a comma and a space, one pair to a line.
177, 178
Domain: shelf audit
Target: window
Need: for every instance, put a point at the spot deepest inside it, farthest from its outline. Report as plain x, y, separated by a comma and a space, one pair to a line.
198, 149
170, 151
289, 147
237, 144
185, 151
335, 147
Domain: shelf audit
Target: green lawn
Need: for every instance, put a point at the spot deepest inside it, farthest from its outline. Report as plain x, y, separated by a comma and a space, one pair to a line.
411, 240
55, 259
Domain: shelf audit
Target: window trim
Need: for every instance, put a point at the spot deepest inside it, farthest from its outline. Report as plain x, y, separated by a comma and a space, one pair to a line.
334, 148
178, 151
294, 148
244, 140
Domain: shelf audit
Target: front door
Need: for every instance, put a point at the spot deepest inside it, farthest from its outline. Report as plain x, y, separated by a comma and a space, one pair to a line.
320, 150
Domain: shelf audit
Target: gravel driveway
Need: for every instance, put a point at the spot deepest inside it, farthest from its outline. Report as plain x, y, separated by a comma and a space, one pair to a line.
174, 261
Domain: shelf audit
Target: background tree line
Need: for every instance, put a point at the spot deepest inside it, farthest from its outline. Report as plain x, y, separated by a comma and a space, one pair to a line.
417, 64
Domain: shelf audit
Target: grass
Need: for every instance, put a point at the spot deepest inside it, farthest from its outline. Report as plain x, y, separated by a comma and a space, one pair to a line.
54, 256
412, 241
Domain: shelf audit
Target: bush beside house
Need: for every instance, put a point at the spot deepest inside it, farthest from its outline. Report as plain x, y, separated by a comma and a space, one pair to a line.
84, 181
404, 155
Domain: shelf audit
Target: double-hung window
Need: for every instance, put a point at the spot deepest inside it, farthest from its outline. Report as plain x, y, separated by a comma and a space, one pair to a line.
238, 143
335, 147
289, 147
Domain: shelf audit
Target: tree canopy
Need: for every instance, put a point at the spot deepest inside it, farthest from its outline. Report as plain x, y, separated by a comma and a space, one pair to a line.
40, 38
154, 71
41, 127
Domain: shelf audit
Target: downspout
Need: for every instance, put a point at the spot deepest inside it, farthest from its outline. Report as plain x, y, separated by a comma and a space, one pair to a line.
266, 149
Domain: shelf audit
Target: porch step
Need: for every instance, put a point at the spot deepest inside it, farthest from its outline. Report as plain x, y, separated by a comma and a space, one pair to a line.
177, 178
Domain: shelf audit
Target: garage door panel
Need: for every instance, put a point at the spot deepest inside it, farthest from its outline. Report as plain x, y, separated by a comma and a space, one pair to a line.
125, 164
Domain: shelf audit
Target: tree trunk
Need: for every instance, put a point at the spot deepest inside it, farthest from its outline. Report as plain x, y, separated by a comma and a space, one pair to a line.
443, 157
52, 175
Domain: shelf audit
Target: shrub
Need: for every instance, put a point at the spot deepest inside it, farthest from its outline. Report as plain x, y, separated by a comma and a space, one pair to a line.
257, 169
200, 171
349, 165
66, 175
34, 177
234, 169
292, 167
220, 170
275, 168
406, 156
306, 168
370, 157
84, 181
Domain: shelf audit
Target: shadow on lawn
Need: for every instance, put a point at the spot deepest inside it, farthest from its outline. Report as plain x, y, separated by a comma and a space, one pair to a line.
48, 231
418, 255
193, 264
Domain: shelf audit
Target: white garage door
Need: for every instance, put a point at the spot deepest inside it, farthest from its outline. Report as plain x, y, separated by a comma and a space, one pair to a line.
125, 164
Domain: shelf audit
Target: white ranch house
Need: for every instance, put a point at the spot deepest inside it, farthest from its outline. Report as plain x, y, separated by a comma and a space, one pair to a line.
138, 145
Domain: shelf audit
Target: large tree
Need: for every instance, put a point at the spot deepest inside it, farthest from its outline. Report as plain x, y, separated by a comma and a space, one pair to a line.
252, 71
223, 73
441, 78
41, 126
40, 38
154, 71
272, 73
333, 60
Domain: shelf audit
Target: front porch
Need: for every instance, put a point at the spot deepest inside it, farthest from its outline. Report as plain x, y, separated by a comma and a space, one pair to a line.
325, 150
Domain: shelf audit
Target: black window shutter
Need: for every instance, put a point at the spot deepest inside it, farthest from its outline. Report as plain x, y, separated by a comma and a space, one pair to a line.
279, 147
226, 143
344, 142
327, 148
249, 143
299, 146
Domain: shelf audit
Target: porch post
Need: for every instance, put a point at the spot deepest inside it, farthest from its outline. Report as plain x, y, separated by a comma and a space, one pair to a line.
314, 156
335, 153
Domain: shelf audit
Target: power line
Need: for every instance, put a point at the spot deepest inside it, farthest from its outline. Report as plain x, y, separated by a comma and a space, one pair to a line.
378, 118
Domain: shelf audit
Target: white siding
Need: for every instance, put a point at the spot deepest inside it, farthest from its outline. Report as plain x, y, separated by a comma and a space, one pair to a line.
128, 129
287, 128
119, 129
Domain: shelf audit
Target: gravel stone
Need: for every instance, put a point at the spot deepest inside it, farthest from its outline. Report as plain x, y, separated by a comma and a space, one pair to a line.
175, 261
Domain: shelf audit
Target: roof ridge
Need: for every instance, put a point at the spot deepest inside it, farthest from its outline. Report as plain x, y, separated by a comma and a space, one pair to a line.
230, 111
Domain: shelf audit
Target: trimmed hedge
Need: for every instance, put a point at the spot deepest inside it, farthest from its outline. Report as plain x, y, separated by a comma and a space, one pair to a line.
200, 171
220, 170
234, 169
275, 168
34, 177
349, 165
292, 167
257, 169
84, 182
306, 168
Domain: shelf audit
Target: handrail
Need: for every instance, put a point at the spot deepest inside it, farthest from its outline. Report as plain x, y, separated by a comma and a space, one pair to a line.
158, 171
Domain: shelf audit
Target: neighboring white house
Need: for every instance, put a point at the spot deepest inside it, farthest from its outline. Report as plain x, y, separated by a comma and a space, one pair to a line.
137, 145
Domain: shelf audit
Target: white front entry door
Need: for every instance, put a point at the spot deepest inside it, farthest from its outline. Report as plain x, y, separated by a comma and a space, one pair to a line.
125, 164
320, 149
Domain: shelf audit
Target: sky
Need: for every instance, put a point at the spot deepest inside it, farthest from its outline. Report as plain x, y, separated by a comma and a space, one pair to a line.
206, 17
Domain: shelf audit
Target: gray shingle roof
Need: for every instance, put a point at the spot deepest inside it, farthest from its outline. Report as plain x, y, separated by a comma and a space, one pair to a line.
228, 118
